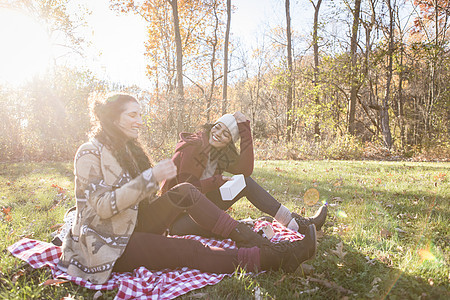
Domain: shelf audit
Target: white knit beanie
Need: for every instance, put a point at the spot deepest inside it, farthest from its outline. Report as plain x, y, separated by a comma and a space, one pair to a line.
230, 121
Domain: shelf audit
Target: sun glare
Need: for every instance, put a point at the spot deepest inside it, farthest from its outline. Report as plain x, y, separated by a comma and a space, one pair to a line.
25, 47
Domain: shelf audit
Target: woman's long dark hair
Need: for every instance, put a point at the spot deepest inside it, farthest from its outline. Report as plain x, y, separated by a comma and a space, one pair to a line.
128, 152
226, 156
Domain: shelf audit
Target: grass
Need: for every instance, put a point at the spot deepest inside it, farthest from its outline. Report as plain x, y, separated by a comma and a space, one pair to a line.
386, 237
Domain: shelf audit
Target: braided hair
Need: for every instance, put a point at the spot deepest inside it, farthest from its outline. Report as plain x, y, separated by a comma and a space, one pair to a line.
128, 152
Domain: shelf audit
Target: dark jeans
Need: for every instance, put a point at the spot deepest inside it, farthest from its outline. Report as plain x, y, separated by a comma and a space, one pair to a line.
256, 194
149, 248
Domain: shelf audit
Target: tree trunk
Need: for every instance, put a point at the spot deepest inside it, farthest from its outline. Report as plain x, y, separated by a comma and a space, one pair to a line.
400, 102
289, 100
225, 61
212, 62
179, 66
316, 67
354, 82
386, 131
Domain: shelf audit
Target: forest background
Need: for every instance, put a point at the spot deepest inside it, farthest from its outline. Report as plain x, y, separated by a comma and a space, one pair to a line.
369, 81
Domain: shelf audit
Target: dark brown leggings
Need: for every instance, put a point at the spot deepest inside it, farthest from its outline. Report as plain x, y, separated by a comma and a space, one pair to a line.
149, 248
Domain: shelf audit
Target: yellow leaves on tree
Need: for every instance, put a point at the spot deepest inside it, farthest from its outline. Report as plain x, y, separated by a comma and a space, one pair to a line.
196, 22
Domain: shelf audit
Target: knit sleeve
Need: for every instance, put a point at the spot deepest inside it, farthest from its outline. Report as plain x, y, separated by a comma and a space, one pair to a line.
245, 162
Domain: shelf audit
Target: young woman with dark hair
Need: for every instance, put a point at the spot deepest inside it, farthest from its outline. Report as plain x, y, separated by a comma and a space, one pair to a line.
120, 223
202, 158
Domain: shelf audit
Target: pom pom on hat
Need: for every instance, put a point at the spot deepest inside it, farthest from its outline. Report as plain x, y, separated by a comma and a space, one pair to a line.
230, 121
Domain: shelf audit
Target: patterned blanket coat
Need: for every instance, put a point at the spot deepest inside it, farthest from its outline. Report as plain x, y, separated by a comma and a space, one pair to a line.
107, 205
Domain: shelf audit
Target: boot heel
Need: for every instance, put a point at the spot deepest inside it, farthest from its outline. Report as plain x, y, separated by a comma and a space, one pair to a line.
312, 234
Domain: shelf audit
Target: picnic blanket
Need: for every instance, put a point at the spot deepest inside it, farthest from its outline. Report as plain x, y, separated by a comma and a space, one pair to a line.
142, 283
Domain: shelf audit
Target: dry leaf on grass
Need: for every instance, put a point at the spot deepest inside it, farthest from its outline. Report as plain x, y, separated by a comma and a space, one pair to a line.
199, 296
339, 252
53, 282
258, 293
385, 233
97, 295
17, 275
305, 269
331, 285
320, 234
280, 280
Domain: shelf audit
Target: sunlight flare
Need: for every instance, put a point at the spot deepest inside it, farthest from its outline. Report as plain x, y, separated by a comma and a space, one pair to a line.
311, 197
342, 214
425, 254
26, 48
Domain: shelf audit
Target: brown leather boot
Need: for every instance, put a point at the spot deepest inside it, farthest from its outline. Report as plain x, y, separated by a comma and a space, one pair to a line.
289, 255
245, 237
318, 219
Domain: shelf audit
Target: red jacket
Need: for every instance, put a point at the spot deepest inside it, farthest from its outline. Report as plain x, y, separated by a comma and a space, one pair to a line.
191, 156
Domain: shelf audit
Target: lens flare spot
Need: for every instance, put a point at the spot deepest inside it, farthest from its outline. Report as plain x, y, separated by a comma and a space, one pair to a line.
311, 197
342, 214
425, 254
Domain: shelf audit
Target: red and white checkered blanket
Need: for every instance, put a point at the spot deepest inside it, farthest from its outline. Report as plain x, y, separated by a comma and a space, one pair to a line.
142, 283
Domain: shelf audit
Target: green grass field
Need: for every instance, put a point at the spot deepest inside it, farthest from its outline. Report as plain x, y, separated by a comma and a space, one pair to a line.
386, 237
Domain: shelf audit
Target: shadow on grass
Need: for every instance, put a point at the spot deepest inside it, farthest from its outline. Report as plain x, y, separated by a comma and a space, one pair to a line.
371, 277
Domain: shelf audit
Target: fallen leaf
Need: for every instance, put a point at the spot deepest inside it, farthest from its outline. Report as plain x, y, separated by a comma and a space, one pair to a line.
337, 199
339, 252
342, 214
305, 269
279, 281
258, 293
385, 233
97, 295
399, 230
330, 284
320, 234
425, 254
370, 261
199, 295
17, 275
376, 280
298, 293
53, 282
57, 226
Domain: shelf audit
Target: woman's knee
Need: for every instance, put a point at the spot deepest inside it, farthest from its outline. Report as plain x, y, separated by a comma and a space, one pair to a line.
183, 187
184, 195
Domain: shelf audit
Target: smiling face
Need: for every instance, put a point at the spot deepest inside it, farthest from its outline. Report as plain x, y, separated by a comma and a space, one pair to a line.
219, 136
130, 119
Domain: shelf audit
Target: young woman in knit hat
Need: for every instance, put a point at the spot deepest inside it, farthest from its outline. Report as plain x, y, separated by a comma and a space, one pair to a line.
201, 159
120, 222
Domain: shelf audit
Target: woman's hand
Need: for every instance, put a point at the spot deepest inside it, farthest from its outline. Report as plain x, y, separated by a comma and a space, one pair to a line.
226, 178
240, 117
165, 169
